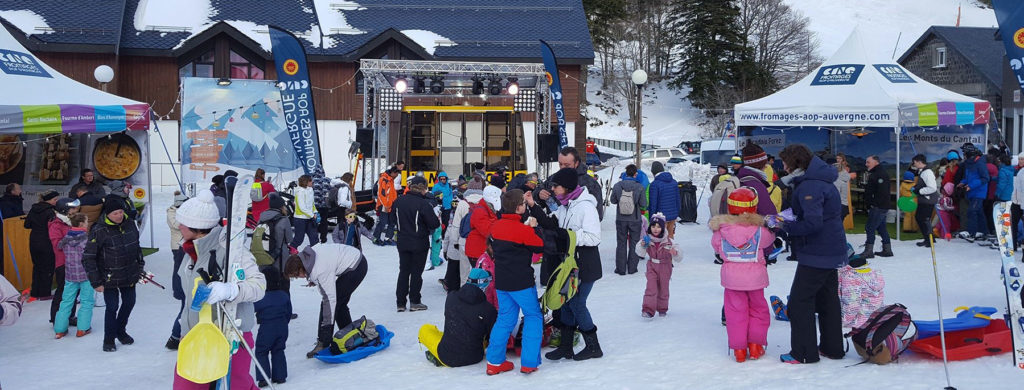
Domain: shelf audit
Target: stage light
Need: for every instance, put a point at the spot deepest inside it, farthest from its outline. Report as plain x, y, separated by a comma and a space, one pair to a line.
494, 88
478, 86
436, 85
513, 86
420, 86
224, 82
401, 85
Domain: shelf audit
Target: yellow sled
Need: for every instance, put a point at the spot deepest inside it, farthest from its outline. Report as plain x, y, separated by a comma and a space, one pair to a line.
204, 353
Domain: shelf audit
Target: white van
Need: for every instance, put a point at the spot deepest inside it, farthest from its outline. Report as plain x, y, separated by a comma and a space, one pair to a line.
717, 151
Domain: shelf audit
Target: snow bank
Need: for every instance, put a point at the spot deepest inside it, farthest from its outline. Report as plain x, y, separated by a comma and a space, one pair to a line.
26, 21
428, 40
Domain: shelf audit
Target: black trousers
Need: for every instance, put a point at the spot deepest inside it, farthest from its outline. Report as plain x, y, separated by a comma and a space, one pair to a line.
452, 275
987, 206
446, 216
59, 294
120, 302
410, 275
42, 269
923, 216
344, 286
815, 290
1015, 215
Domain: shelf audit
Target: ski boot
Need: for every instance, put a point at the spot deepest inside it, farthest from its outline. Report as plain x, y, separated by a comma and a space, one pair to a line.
82, 333
756, 351
493, 369
740, 354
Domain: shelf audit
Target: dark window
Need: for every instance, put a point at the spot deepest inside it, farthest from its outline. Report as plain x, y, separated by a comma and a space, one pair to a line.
221, 58
202, 66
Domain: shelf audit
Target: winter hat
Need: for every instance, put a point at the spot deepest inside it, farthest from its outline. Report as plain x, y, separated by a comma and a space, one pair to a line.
230, 173
754, 156
492, 195
567, 178
908, 176
479, 277
416, 180
179, 198
970, 150
947, 188
65, 204
276, 202
218, 180
954, 155
336, 182
742, 200
657, 167
736, 160
111, 204
116, 187
48, 194
199, 212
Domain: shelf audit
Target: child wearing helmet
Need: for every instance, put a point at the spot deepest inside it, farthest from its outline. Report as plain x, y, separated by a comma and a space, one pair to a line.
740, 239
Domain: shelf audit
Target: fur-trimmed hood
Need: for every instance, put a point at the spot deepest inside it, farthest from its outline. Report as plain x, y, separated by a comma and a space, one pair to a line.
747, 219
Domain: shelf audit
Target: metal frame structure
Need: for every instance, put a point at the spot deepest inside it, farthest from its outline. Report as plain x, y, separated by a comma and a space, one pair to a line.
376, 83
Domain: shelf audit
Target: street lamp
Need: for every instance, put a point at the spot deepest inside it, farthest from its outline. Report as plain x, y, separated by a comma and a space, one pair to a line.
639, 78
103, 74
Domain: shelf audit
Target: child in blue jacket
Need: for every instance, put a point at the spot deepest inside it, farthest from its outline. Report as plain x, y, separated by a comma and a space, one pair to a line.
1004, 185
273, 313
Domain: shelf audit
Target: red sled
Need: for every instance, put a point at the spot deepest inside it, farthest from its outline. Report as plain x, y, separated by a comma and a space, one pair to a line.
966, 344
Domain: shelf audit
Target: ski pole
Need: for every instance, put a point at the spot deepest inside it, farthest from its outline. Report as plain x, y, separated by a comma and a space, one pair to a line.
938, 303
247, 348
150, 279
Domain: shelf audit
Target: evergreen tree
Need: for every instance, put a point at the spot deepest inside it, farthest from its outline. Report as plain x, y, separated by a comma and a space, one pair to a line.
601, 17
712, 56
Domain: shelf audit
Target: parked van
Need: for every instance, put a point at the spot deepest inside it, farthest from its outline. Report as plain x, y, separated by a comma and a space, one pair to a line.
717, 151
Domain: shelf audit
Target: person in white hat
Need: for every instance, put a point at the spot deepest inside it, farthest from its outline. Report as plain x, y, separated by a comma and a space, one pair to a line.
205, 243
178, 255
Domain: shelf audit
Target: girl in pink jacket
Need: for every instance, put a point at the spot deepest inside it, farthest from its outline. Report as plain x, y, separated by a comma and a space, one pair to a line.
663, 253
740, 239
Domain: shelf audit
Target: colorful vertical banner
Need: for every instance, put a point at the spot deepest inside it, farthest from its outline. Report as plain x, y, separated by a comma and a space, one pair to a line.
296, 97
555, 86
1010, 15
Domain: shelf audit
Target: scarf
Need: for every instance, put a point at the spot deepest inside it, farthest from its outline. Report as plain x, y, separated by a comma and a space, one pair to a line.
571, 196
788, 179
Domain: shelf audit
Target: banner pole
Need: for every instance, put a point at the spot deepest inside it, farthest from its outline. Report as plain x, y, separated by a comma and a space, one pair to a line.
899, 227
156, 126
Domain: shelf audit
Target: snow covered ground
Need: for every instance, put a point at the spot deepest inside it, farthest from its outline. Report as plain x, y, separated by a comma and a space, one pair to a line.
687, 349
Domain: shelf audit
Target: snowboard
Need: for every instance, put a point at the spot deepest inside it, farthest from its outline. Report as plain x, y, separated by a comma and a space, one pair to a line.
1012, 280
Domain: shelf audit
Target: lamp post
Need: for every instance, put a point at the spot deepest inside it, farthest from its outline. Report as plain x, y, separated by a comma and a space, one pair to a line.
104, 74
639, 78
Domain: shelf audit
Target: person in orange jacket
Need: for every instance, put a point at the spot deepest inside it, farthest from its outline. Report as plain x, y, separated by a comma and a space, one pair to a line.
386, 195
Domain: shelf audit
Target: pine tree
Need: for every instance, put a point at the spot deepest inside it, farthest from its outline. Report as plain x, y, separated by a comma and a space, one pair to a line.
712, 56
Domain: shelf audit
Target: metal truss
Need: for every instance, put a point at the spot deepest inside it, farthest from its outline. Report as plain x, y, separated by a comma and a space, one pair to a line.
405, 67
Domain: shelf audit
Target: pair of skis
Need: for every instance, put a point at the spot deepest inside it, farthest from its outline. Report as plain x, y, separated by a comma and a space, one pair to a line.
1012, 280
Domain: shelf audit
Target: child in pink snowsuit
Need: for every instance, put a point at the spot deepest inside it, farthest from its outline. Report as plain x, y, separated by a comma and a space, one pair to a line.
861, 292
740, 240
487, 264
663, 253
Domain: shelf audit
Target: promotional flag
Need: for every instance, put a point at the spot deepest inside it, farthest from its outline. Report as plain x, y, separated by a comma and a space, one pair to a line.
555, 87
296, 98
1010, 15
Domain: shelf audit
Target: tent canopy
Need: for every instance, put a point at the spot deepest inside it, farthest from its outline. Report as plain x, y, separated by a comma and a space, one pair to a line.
40, 100
853, 89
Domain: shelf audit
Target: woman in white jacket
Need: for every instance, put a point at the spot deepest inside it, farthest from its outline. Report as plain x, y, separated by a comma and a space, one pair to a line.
455, 245
10, 303
337, 270
927, 192
576, 210
305, 213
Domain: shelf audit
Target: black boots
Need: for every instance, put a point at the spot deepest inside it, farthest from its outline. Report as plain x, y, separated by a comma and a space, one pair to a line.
869, 252
593, 348
886, 251
565, 339
172, 343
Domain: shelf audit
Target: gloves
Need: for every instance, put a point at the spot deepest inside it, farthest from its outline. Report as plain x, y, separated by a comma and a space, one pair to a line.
437, 210
220, 291
292, 250
317, 217
647, 240
772, 221
787, 215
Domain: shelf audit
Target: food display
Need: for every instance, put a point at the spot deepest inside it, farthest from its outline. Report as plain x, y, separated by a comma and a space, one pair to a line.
116, 157
11, 152
55, 159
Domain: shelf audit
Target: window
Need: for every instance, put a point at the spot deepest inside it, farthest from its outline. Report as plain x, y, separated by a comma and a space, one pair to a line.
662, 154
220, 58
241, 68
940, 57
200, 67
676, 153
647, 154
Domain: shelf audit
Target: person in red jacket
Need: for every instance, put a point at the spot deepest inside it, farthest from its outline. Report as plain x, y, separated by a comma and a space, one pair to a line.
261, 189
480, 221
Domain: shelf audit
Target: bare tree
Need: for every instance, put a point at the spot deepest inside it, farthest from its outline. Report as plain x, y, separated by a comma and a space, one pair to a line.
780, 38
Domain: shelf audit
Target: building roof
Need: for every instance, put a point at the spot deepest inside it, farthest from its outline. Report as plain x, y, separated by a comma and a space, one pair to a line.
338, 29
980, 46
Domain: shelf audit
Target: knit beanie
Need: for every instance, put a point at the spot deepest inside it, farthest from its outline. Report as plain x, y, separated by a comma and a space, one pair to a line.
199, 212
112, 203
754, 156
657, 219
276, 202
49, 194
117, 188
568, 178
736, 160
657, 167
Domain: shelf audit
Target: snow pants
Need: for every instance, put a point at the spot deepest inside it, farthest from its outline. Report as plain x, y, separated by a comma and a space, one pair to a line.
67, 304
656, 294
270, 343
976, 221
240, 378
815, 290
627, 233
746, 318
58, 296
410, 276
509, 305
304, 227
43, 264
344, 286
177, 291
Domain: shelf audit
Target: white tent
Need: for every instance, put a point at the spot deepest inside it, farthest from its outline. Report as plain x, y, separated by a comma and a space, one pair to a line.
852, 89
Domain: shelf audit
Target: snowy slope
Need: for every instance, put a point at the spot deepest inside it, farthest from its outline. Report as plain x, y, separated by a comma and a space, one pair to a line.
668, 116
687, 349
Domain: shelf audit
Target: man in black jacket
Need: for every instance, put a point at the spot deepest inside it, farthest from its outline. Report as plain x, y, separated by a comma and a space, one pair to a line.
416, 221
876, 197
113, 261
468, 319
569, 157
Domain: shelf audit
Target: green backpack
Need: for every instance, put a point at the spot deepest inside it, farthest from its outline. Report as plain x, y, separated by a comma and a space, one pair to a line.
564, 280
259, 244
359, 333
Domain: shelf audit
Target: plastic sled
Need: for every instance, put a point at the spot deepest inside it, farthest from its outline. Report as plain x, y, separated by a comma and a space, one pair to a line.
358, 353
991, 340
966, 318
204, 352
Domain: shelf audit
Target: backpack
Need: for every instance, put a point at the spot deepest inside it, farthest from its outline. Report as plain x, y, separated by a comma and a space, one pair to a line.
627, 204
256, 192
359, 333
464, 226
260, 244
747, 253
886, 333
719, 198
564, 280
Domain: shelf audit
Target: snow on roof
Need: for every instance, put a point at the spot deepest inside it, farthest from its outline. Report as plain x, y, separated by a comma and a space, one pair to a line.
429, 40
173, 15
27, 21
332, 20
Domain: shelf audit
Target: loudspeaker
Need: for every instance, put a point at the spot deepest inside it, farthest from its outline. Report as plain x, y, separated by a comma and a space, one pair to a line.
364, 136
547, 148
